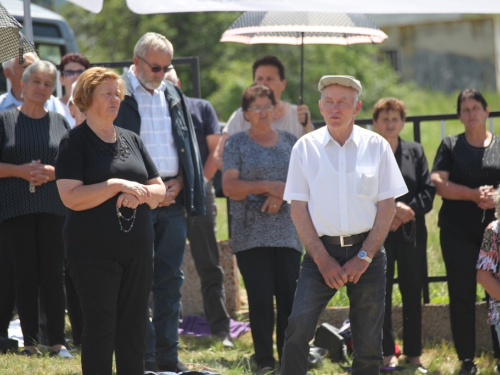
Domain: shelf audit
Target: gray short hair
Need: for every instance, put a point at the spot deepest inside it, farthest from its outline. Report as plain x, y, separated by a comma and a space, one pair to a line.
153, 41
43, 66
9, 64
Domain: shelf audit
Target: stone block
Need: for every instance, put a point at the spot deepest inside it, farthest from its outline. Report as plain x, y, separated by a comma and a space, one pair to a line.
192, 301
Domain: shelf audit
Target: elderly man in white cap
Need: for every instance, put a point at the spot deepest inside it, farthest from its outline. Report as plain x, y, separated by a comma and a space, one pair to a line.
342, 182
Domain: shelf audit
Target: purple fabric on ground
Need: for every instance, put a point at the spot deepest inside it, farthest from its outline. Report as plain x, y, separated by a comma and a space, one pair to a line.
198, 326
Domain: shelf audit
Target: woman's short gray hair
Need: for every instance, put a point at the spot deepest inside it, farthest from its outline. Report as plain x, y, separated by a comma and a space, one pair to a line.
155, 42
42, 66
496, 199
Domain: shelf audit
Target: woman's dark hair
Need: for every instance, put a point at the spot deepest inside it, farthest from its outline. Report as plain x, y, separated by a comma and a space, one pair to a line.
270, 60
253, 92
470, 94
74, 57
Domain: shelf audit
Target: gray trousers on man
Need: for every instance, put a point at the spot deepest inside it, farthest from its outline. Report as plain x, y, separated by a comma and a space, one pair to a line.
205, 251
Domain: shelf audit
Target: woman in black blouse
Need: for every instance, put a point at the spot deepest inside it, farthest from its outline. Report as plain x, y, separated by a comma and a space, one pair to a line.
109, 183
31, 212
407, 239
466, 171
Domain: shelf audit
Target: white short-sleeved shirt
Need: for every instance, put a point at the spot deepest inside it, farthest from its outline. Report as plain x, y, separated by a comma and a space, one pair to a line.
342, 184
288, 123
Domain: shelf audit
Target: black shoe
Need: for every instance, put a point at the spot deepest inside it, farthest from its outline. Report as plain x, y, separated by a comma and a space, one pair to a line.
173, 367
468, 367
8, 345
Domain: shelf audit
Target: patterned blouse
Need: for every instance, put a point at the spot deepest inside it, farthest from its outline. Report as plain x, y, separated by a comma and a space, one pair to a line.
489, 256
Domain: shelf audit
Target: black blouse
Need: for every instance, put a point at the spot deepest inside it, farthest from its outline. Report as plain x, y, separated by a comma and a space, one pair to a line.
473, 167
413, 165
95, 233
23, 139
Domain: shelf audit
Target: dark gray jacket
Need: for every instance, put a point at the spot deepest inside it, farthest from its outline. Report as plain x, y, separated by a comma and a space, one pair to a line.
184, 137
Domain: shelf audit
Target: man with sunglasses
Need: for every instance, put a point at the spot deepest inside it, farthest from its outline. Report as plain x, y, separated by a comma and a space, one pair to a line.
13, 71
155, 109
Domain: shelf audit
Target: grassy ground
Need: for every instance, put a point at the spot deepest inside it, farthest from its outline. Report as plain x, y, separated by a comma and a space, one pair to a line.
206, 354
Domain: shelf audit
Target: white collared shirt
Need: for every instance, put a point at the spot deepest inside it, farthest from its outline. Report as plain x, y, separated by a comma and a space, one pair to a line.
342, 184
8, 101
156, 126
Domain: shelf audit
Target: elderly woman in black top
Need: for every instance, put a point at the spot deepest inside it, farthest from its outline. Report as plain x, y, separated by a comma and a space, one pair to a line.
466, 171
407, 239
109, 183
31, 212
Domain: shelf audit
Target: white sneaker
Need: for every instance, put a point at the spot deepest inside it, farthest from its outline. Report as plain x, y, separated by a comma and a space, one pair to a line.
62, 353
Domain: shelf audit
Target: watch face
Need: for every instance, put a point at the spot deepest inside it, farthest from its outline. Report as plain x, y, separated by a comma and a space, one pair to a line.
362, 254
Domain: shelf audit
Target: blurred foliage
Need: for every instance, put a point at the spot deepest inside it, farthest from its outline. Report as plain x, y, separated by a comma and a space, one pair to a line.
225, 68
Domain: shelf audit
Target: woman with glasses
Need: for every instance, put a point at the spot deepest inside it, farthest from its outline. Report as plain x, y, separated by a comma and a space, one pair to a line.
466, 171
71, 66
264, 239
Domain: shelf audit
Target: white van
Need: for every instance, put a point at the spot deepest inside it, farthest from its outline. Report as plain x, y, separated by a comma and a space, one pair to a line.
52, 35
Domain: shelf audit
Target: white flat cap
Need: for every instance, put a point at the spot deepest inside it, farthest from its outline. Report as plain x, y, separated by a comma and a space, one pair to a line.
347, 81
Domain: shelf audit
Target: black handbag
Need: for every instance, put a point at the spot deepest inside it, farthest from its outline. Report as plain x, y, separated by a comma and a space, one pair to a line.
329, 338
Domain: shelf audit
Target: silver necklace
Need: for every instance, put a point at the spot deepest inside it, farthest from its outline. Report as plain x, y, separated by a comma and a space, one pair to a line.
113, 138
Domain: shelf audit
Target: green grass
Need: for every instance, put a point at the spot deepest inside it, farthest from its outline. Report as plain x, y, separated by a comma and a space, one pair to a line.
207, 354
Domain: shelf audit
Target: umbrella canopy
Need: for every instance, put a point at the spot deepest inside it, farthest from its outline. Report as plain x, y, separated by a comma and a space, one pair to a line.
301, 28
352, 6
13, 41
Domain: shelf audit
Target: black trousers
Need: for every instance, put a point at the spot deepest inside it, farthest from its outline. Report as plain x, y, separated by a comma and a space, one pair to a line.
410, 260
113, 295
205, 252
460, 257
268, 272
74, 310
35, 246
7, 290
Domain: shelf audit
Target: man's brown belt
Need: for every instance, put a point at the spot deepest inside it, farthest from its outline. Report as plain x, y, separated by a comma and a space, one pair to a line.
345, 241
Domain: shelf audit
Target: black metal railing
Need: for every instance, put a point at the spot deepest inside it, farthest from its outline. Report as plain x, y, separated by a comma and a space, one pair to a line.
417, 120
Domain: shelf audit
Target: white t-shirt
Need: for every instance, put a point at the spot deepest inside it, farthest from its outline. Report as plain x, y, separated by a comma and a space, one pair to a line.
67, 113
288, 123
342, 184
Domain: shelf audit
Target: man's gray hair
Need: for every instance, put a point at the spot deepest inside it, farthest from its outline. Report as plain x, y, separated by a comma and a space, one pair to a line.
9, 64
155, 42
42, 66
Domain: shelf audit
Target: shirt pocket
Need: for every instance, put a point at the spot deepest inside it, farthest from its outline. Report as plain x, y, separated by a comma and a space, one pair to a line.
367, 181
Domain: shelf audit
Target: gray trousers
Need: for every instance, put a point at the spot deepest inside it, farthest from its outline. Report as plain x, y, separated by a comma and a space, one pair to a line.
205, 251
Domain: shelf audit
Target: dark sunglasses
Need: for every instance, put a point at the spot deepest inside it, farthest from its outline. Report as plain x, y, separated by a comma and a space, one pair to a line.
156, 69
71, 73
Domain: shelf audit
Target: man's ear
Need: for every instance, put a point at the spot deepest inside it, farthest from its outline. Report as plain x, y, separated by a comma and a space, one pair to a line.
359, 105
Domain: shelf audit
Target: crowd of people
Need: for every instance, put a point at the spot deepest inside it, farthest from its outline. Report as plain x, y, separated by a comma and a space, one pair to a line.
102, 187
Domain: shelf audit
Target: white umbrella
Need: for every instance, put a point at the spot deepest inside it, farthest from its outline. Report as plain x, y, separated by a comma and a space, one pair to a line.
351, 6
299, 28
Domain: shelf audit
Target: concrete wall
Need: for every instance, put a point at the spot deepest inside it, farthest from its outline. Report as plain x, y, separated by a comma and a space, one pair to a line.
435, 318
447, 55
192, 302
435, 323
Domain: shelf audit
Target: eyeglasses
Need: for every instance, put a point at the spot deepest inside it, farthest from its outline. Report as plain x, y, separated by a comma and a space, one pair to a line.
260, 109
71, 73
156, 69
